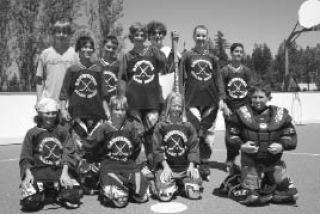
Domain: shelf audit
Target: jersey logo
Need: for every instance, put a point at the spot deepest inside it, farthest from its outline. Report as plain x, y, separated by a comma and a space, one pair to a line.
237, 88
120, 148
50, 150
110, 80
175, 143
86, 86
201, 70
143, 72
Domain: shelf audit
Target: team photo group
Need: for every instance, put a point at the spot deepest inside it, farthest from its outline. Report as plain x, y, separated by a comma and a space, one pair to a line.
105, 127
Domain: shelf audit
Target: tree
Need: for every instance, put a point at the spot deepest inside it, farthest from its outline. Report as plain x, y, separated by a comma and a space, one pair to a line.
294, 65
24, 16
110, 11
5, 15
220, 48
261, 59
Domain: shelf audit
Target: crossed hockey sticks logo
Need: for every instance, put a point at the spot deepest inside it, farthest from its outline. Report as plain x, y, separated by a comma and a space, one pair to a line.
201, 70
49, 145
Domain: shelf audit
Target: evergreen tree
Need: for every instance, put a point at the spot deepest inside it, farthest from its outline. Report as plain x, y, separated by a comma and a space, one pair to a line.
220, 48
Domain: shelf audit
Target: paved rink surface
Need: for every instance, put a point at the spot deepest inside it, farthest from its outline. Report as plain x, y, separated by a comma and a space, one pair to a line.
303, 167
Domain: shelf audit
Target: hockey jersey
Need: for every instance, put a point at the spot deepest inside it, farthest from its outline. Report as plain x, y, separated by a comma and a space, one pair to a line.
201, 79
84, 89
119, 147
237, 82
141, 71
177, 143
42, 152
110, 77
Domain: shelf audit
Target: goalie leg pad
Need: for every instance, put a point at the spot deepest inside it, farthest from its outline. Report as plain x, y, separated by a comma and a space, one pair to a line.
285, 192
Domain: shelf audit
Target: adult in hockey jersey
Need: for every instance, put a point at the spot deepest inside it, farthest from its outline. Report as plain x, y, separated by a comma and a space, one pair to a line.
120, 143
40, 162
110, 65
176, 153
237, 80
262, 133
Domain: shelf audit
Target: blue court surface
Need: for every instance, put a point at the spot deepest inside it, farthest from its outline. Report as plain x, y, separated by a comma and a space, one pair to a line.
303, 166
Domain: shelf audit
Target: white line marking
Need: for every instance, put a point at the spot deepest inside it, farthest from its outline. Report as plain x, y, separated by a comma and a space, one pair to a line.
8, 160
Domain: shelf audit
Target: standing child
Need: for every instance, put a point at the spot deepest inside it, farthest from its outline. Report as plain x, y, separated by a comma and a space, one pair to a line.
263, 133
237, 79
156, 34
40, 161
140, 68
203, 88
176, 153
54, 62
110, 65
83, 90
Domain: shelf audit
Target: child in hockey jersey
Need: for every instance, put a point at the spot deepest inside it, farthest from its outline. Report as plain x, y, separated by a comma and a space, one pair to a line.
140, 68
203, 88
84, 90
237, 80
40, 161
110, 65
83, 87
262, 133
120, 143
176, 153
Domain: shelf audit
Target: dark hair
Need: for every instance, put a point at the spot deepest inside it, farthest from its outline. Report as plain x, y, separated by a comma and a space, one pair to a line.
64, 23
235, 45
111, 38
82, 41
39, 120
199, 27
154, 25
266, 88
135, 28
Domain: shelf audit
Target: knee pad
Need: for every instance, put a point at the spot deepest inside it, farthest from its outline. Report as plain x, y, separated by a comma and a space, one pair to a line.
141, 199
33, 202
166, 193
117, 196
196, 113
192, 190
32, 196
70, 198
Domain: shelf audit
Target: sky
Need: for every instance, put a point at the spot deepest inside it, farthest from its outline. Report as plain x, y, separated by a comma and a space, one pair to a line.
247, 21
